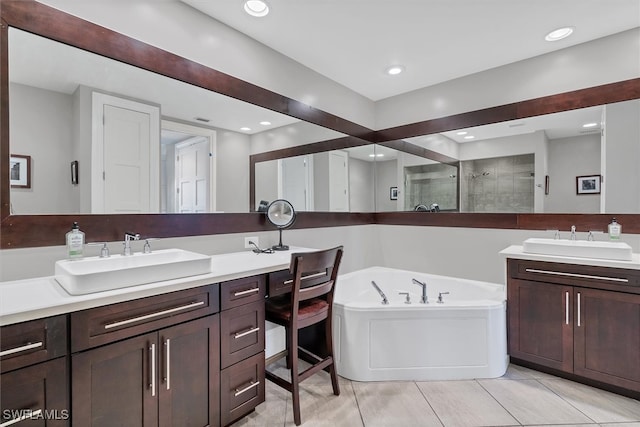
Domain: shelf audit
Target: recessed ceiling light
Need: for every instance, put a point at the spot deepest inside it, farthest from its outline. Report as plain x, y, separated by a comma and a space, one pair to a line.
376, 155
245, 129
559, 34
256, 8
462, 132
394, 70
265, 123
589, 125
469, 137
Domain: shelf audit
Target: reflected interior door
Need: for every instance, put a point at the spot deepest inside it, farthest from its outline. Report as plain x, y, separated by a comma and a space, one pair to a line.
295, 182
338, 181
192, 178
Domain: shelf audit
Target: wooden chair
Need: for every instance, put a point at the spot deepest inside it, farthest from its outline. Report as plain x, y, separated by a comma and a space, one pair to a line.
310, 302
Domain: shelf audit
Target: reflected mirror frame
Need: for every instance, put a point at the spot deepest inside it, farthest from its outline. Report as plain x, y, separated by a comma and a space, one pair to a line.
61, 26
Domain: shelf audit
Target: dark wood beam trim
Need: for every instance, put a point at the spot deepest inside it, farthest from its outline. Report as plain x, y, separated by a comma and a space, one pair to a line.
416, 150
448, 219
5, 205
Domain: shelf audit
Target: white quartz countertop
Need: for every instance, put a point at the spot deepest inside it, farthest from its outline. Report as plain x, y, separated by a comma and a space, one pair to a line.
516, 251
28, 299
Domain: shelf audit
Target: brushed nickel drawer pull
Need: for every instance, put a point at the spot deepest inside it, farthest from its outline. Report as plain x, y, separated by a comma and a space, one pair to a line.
152, 353
167, 345
245, 333
310, 276
579, 309
25, 347
26, 416
566, 308
247, 292
581, 276
247, 388
152, 315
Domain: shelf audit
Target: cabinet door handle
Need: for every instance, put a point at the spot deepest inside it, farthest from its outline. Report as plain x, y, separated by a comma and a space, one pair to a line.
27, 415
245, 333
152, 363
152, 315
581, 276
566, 308
25, 347
247, 388
247, 292
167, 349
578, 308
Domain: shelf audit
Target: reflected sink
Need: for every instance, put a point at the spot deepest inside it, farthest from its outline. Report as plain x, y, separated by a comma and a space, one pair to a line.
88, 275
619, 251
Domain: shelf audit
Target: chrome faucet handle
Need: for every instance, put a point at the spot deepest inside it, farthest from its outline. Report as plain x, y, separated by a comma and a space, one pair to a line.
573, 232
590, 236
556, 234
408, 300
440, 300
146, 249
104, 252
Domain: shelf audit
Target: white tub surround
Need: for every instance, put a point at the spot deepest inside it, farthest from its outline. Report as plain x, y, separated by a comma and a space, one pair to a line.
29, 299
463, 337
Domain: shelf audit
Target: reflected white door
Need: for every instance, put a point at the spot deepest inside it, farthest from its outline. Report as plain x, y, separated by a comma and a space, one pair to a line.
338, 181
295, 182
192, 175
126, 160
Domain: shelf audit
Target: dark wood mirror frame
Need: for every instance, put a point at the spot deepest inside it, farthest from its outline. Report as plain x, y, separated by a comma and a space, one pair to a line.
20, 231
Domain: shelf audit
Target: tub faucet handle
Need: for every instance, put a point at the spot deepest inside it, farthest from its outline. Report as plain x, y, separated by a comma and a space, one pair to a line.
408, 300
440, 300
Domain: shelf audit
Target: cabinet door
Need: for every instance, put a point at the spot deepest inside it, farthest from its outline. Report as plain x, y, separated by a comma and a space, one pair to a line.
607, 337
39, 392
116, 385
189, 393
540, 323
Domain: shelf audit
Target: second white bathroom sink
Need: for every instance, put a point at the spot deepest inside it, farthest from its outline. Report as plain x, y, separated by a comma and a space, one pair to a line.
619, 251
94, 274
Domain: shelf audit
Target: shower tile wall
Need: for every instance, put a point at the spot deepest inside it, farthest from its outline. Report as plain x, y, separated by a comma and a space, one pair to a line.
427, 184
501, 184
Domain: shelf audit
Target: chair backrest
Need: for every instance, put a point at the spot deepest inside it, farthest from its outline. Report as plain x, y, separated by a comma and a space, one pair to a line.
314, 274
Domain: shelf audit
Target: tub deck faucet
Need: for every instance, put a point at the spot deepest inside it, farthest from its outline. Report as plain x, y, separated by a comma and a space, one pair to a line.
424, 299
128, 237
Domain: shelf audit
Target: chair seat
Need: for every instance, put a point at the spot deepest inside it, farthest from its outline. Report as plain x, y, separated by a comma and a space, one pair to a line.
278, 310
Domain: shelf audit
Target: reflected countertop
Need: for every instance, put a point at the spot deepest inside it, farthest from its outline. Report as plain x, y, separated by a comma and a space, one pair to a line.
29, 299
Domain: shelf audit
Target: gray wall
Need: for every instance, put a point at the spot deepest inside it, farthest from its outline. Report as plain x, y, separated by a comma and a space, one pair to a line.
387, 176
232, 173
569, 158
361, 185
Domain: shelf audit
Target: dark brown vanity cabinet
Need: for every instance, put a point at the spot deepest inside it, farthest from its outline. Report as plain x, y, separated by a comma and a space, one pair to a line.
159, 365
34, 382
576, 319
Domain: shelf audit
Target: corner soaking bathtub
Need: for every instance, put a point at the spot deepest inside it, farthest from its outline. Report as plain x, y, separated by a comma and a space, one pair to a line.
463, 337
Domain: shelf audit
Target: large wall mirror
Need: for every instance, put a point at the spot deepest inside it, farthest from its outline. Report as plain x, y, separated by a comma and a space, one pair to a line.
403, 171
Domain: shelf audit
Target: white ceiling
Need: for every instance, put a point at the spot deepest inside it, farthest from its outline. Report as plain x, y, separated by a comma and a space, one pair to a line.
353, 41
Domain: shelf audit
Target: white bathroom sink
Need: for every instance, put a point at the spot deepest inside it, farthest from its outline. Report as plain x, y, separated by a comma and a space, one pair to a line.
88, 275
578, 248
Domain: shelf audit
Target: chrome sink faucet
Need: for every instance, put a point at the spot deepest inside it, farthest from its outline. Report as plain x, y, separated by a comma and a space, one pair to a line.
573, 232
424, 299
128, 237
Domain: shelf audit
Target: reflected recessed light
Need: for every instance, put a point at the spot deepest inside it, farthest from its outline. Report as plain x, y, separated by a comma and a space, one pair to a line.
394, 70
257, 8
559, 34
589, 125
376, 155
469, 137
265, 123
245, 129
462, 132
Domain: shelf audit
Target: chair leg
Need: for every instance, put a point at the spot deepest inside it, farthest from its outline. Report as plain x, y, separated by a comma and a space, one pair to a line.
287, 335
332, 368
295, 384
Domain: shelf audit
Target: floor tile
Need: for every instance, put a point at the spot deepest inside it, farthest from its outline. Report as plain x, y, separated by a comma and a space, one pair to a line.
388, 404
465, 404
320, 407
599, 405
271, 413
532, 403
621, 425
516, 372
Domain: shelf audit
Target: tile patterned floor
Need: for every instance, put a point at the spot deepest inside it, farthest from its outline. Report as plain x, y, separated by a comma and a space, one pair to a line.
522, 397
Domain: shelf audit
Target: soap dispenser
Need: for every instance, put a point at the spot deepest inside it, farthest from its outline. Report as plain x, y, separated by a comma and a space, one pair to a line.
615, 230
75, 242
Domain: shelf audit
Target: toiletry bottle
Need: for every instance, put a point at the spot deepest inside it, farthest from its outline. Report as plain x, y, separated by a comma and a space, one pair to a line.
75, 242
615, 230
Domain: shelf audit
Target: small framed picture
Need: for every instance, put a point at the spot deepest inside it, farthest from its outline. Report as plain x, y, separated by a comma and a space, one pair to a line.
74, 172
589, 184
393, 193
20, 171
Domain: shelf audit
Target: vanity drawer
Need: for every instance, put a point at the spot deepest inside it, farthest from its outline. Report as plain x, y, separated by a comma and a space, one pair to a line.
241, 388
102, 325
26, 343
241, 333
237, 292
618, 279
